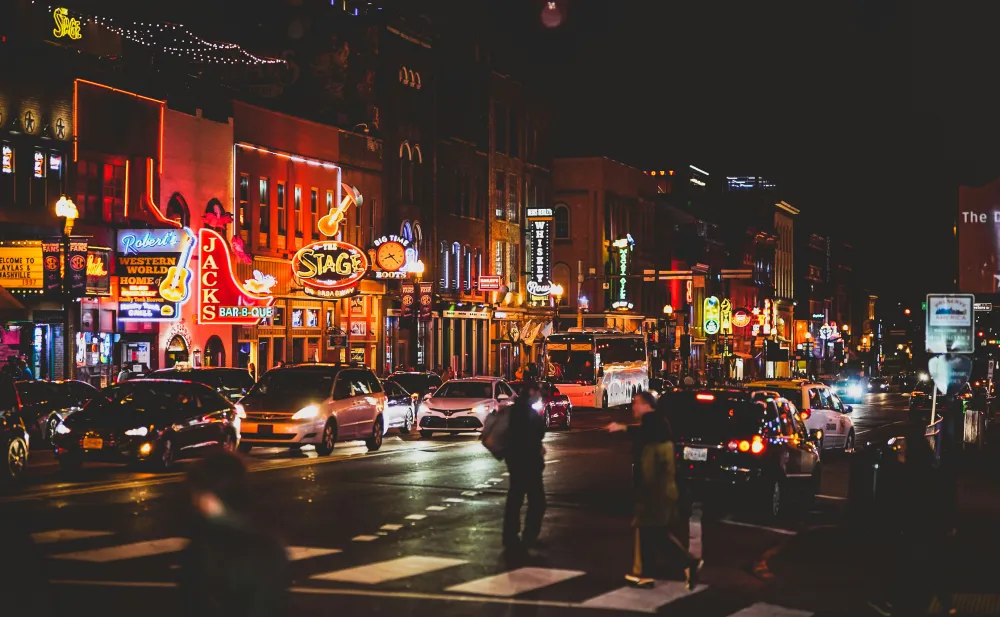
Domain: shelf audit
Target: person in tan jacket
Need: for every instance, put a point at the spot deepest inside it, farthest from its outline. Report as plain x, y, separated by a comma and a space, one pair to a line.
656, 494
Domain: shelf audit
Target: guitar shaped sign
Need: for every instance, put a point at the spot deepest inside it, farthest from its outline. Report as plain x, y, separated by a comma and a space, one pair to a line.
175, 286
329, 225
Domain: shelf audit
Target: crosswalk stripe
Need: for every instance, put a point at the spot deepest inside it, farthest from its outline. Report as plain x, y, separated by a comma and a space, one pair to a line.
394, 569
761, 609
63, 535
365, 538
295, 553
127, 551
516, 582
416, 517
435, 508
642, 600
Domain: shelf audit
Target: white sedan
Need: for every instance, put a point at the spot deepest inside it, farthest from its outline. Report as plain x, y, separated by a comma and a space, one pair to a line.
461, 405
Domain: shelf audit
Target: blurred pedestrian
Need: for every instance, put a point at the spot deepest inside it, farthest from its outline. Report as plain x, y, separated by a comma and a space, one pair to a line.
525, 457
279, 364
231, 566
252, 369
124, 374
656, 495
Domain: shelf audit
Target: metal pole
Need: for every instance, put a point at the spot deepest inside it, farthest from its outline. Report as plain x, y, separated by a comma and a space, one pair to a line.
68, 339
933, 404
579, 292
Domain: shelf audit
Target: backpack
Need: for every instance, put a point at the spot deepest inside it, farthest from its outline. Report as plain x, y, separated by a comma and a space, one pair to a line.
494, 434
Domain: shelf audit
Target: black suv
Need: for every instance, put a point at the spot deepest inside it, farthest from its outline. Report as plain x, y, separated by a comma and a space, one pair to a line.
727, 441
231, 383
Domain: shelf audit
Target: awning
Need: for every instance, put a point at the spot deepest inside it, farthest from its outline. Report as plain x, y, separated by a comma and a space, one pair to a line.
9, 302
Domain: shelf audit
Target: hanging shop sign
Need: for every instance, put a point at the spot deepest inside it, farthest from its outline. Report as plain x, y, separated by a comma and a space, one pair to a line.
391, 257
490, 282
619, 289
154, 278
426, 301
66, 26
711, 315
98, 271
21, 264
329, 269
539, 283
221, 298
741, 318
77, 262
408, 298
726, 313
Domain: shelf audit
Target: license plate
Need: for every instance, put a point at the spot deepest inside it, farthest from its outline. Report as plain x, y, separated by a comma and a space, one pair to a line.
265, 429
695, 454
831, 428
93, 443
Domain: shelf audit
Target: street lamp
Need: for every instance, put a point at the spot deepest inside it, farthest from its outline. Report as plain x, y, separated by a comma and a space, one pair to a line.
417, 269
557, 291
66, 209
668, 310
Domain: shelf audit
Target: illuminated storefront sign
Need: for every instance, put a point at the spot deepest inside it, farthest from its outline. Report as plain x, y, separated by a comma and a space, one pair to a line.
21, 264
7, 162
391, 257
711, 315
490, 282
98, 271
619, 289
65, 25
221, 298
39, 169
153, 275
540, 264
726, 314
741, 318
329, 269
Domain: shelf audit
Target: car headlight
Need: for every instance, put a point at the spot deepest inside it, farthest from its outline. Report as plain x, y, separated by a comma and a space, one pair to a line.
306, 413
480, 409
854, 391
62, 429
538, 406
142, 431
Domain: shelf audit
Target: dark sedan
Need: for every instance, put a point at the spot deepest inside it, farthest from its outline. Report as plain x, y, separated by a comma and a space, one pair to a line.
757, 451
43, 404
557, 408
148, 421
231, 383
420, 383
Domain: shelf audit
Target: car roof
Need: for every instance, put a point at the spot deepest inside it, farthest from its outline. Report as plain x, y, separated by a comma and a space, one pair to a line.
394, 373
484, 378
783, 383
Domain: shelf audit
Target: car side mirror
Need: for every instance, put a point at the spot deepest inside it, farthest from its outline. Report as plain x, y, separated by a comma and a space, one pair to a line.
816, 435
848, 408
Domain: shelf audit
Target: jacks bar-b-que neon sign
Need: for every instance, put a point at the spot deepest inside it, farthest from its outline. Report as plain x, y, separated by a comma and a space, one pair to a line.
221, 298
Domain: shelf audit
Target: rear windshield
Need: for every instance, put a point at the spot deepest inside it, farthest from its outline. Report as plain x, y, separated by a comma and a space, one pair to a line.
294, 384
725, 417
465, 389
412, 383
144, 397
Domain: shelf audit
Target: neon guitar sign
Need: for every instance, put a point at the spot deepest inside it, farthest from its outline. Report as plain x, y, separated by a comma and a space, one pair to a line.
331, 268
330, 224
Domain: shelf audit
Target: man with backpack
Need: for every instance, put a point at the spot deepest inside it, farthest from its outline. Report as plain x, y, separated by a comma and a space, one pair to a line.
525, 458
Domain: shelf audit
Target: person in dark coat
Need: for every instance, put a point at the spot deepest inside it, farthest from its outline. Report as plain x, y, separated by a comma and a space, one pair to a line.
231, 566
525, 457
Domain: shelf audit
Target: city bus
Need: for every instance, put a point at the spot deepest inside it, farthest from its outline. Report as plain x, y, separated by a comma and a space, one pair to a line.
598, 367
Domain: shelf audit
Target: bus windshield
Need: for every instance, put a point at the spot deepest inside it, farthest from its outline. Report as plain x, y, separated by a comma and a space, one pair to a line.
566, 366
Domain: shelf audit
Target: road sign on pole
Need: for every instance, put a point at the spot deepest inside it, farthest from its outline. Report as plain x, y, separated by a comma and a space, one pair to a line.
950, 324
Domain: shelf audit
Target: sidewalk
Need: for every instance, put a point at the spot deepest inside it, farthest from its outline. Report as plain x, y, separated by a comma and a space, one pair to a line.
842, 564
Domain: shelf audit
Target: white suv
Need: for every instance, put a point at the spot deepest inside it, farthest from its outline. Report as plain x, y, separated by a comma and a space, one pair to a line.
316, 404
819, 406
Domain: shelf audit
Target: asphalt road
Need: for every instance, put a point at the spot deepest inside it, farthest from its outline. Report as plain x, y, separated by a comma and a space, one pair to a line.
414, 529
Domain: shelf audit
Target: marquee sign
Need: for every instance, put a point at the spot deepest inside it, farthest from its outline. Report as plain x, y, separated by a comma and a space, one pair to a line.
221, 298
391, 257
329, 269
21, 264
540, 266
153, 275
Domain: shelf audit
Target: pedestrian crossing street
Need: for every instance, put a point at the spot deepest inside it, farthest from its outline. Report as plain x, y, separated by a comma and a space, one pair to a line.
95, 558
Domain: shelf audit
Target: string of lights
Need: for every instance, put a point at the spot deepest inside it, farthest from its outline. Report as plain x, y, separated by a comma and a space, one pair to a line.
177, 40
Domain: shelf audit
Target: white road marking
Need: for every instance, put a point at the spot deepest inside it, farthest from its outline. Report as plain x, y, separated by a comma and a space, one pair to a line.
435, 508
831, 497
295, 553
364, 538
63, 535
495, 480
391, 527
552, 462
761, 609
391, 570
506, 474
470, 493
127, 551
454, 500
416, 517
483, 486
516, 582
642, 600
784, 532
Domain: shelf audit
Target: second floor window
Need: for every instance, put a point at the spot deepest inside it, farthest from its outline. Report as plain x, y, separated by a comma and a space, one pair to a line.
282, 212
297, 215
264, 211
314, 213
500, 202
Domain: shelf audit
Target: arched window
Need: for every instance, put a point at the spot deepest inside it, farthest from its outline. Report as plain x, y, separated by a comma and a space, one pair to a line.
444, 258
406, 230
418, 238
561, 275
215, 352
177, 210
561, 216
467, 282
416, 175
405, 171
456, 275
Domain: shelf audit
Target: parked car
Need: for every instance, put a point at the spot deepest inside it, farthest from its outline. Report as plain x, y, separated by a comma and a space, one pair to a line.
42, 404
315, 404
13, 434
819, 406
461, 405
400, 407
728, 444
148, 421
557, 409
232, 383
420, 383
77, 394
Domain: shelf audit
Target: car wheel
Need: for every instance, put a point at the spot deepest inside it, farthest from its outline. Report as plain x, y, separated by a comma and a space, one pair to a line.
566, 419
548, 418
374, 442
407, 423
849, 442
325, 447
776, 499
53, 423
244, 448
167, 455
426, 434
228, 442
17, 458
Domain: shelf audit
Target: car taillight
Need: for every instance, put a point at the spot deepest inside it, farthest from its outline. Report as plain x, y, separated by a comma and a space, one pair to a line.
755, 445
705, 397
805, 413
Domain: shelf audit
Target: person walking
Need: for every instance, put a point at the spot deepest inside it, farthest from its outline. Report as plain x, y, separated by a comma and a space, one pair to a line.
656, 494
525, 458
231, 566
252, 369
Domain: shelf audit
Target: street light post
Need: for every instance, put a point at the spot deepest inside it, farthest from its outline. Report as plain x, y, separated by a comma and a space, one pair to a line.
66, 209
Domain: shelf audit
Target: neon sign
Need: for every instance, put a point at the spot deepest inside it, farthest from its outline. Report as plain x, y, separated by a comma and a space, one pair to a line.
391, 257
540, 265
624, 246
135, 241
153, 275
65, 25
726, 312
329, 269
221, 298
7, 166
711, 315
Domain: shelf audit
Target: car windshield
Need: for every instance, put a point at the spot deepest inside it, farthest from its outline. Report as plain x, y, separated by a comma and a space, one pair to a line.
142, 397
465, 389
724, 416
414, 382
294, 384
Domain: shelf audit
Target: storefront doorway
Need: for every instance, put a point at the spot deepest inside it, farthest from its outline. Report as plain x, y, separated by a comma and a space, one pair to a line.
215, 352
177, 351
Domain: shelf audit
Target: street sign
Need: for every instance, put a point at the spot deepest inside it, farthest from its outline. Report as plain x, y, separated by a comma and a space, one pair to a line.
983, 307
950, 372
950, 326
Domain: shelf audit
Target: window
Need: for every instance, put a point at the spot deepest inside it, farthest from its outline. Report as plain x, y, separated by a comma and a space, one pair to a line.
467, 278
561, 222
113, 185
515, 136
282, 214
265, 215
416, 170
513, 207
456, 275
514, 272
405, 172
500, 199
314, 212
444, 257
297, 214
243, 211
500, 127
